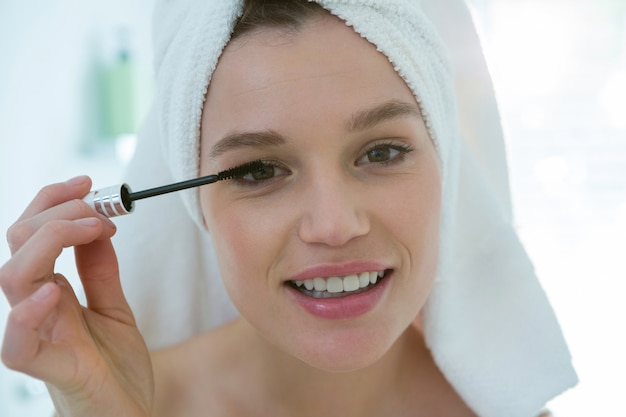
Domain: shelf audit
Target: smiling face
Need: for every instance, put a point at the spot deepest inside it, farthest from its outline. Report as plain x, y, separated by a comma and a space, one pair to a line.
349, 194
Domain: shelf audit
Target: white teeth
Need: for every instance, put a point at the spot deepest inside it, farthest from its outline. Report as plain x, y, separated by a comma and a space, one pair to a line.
351, 283
319, 284
364, 279
338, 284
334, 285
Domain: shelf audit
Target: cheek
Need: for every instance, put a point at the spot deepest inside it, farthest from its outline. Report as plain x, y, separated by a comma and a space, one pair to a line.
416, 211
416, 224
244, 244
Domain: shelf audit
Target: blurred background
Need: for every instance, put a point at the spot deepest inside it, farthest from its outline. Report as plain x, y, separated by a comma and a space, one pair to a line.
76, 81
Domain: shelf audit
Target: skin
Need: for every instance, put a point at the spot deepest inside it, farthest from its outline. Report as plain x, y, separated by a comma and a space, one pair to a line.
330, 202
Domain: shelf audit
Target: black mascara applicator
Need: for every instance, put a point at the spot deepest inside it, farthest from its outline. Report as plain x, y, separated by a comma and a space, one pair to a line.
118, 200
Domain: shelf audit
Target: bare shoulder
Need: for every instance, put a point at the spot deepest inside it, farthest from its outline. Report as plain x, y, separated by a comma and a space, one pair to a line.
180, 370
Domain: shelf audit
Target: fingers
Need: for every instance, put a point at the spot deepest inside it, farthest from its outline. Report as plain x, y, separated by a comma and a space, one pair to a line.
23, 349
44, 335
98, 270
47, 334
50, 204
34, 261
55, 194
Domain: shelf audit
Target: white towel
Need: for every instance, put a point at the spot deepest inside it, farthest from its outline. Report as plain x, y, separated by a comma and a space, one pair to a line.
487, 321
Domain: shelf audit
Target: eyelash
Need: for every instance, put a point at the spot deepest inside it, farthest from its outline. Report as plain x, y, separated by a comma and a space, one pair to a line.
254, 182
402, 148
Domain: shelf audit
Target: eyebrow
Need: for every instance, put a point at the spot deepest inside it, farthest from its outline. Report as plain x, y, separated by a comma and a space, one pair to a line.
389, 110
238, 140
362, 120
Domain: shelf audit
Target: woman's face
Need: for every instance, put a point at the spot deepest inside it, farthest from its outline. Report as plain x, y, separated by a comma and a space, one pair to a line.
350, 192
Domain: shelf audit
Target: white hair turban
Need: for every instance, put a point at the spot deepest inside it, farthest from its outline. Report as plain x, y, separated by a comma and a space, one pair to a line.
487, 321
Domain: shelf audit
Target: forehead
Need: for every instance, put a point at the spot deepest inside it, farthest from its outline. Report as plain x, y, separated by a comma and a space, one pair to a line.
323, 69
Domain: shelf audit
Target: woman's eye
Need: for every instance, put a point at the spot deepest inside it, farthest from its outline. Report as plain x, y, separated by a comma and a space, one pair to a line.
264, 173
382, 154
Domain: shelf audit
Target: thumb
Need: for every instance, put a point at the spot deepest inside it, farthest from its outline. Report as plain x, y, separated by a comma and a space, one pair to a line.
99, 273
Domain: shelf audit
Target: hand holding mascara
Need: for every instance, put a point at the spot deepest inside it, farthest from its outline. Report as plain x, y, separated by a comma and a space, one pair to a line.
118, 200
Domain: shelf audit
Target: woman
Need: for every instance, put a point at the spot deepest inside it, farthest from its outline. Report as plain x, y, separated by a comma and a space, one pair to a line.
330, 252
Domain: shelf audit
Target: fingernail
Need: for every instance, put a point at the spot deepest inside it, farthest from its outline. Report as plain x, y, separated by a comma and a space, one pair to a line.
77, 180
88, 222
43, 292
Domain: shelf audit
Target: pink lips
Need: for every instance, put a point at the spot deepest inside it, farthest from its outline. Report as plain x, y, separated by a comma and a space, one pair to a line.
340, 308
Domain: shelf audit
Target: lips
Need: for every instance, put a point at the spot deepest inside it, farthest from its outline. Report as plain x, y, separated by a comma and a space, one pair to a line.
331, 293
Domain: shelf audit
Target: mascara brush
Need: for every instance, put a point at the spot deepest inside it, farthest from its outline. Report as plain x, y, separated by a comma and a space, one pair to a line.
118, 200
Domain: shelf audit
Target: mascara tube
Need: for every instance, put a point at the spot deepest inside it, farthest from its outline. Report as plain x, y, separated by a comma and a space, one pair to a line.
118, 200
111, 201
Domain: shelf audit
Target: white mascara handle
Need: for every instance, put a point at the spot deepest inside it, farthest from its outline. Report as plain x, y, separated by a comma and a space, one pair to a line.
111, 201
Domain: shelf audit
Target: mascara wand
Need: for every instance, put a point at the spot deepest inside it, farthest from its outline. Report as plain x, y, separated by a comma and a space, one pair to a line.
118, 200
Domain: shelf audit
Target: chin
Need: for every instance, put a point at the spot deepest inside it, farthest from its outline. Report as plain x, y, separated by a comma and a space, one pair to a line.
345, 350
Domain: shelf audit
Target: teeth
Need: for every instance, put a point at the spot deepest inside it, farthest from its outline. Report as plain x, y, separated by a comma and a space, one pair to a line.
319, 284
334, 284
351, 283
341, 284
364, 279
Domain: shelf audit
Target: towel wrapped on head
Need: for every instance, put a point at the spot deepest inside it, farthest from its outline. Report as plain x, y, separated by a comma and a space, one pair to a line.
487, 321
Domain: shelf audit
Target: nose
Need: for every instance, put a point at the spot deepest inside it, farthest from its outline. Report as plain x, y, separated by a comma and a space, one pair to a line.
334, 212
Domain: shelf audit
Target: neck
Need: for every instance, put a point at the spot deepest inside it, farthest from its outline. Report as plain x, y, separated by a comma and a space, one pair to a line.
382, 387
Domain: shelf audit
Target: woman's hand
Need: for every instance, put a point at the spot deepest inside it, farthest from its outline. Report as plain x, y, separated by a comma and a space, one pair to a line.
93, 359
